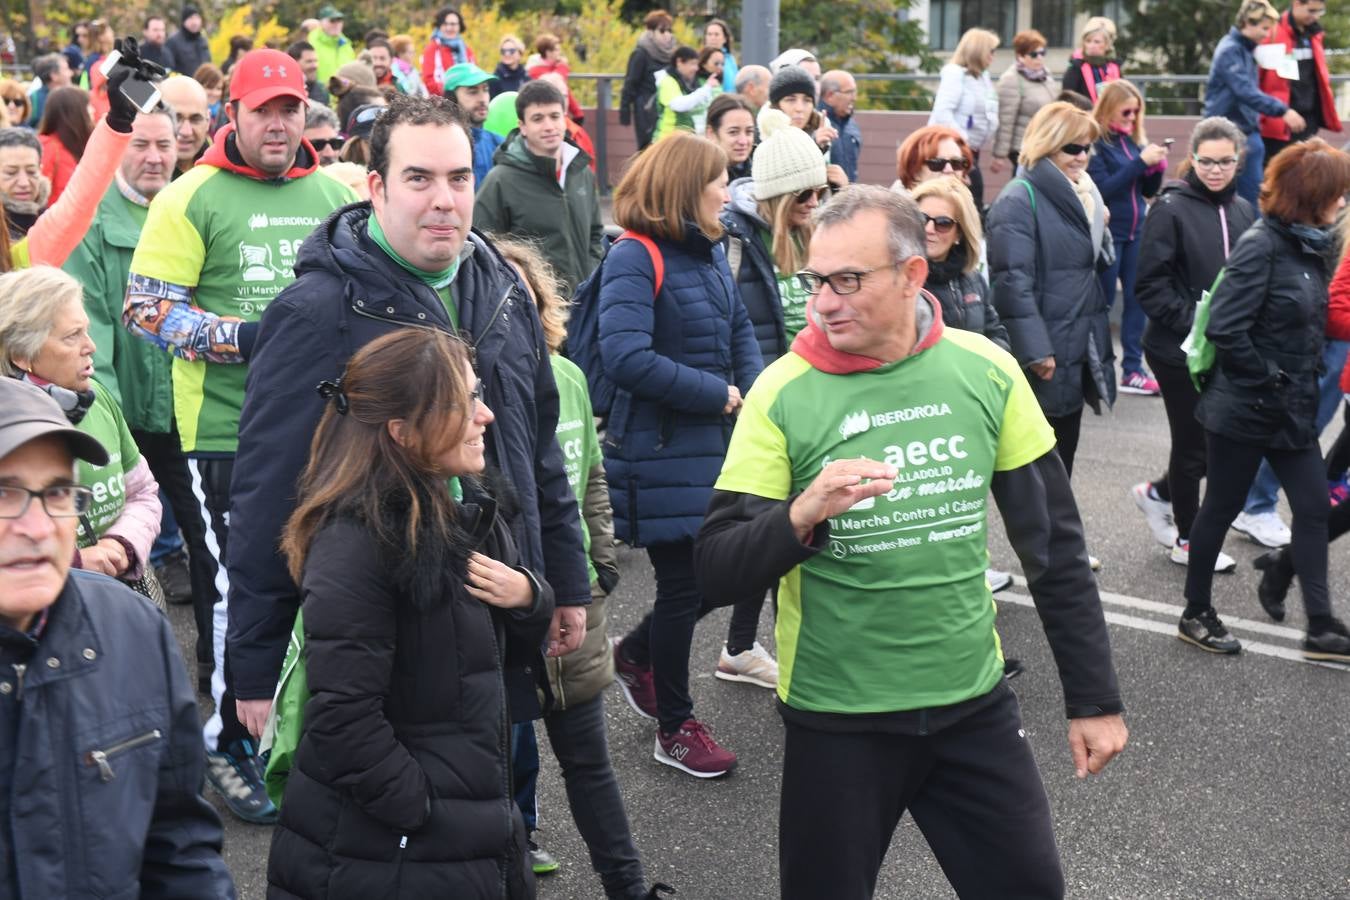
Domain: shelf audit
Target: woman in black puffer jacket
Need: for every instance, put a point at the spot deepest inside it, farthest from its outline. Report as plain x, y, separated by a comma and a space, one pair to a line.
1267, 323
400, 786
1188, 234
954, 238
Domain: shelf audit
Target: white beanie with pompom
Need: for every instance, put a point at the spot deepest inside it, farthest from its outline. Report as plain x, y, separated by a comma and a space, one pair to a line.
787, 160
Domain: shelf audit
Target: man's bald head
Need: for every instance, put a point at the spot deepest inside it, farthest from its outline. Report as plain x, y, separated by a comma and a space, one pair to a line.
753, 83
187, 98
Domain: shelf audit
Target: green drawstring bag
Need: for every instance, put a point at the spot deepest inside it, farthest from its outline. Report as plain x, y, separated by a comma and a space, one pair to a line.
1199, 351
286, 721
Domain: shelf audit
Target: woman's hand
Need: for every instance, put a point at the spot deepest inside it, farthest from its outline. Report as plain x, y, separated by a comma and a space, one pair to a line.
733, 400
826, 135
498, 584
107, 557
1044, 369
1153, 154
995, 165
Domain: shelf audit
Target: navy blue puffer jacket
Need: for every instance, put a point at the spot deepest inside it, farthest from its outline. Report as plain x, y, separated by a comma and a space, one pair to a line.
671, 358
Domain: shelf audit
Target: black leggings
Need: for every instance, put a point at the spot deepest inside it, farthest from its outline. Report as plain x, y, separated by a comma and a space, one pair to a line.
1338, 457
1066, 430
1232, 466
1180, 485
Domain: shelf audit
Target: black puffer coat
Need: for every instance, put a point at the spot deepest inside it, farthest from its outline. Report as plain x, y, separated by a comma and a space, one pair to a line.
401, 783
1181, 251
754, 274
1267, 321
1043, 264
965, 299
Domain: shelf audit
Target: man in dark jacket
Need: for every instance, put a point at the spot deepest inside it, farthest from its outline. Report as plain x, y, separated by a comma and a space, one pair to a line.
187, 49
542, 188
838, 96
1233, 90
881, 719
404, 259
1300, 33
88, 666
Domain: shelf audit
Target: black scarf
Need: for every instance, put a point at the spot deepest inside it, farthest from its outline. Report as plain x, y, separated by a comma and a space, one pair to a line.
1218, 198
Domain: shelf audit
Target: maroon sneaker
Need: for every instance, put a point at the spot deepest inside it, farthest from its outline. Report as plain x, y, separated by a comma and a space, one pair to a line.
636, 681
693, 750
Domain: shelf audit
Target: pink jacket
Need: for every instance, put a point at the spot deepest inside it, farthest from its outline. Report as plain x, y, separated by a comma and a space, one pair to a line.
138, 525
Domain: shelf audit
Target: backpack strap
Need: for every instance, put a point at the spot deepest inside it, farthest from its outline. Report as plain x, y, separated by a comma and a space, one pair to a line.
653, 251
1030, 193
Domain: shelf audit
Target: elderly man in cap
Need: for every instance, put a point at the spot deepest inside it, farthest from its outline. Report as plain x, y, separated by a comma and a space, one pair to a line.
332, 46
91, 668
467, 85
218, 244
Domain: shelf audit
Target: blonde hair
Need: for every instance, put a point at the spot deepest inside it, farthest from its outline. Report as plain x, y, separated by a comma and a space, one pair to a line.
1099, 25
543, 283
1113, 95
789, 241
1254, 12
29, 302
353, 175
1053, 126
967, 216
971, 49
663, 187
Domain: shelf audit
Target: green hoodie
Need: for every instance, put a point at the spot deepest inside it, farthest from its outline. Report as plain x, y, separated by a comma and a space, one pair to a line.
521, 197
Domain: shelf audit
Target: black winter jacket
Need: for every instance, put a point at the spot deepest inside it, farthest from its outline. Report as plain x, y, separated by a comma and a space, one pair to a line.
1043, 265
347, 293
401, 784
637, 101
101, 757
964, 297
1267, 322
1181, 251
185, 52
755, 277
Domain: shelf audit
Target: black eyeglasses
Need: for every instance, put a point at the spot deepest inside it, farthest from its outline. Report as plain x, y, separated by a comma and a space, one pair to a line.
941, 224
1037, 53
938, 164
60, 501
476, 395
1076, 149
819, 193
322, 144
842, 283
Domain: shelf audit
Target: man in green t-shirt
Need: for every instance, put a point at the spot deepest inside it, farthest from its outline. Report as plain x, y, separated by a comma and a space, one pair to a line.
858, 478
218, 245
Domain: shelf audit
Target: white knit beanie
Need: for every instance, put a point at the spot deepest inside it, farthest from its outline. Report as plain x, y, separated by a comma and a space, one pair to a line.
787, 160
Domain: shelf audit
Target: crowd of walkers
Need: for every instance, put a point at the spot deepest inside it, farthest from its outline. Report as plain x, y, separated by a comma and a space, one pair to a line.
336, 348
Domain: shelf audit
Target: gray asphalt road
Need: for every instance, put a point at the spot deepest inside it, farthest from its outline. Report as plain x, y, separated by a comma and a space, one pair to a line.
1236, 782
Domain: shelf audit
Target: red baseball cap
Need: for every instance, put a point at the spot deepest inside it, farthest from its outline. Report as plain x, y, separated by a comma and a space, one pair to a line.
262, 75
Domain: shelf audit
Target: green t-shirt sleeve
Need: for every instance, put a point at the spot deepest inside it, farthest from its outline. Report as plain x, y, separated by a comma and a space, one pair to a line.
171, 248
1025, 435
757, 460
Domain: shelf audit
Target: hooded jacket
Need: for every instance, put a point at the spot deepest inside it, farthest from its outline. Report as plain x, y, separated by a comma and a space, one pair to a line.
185, 52
671, 358
756, 278
1124, 180
1180, 252
964, 297
1267, 322
401, 781
1043, 264
348, 292
102, 756
1233, 90
1274, 127
521, 196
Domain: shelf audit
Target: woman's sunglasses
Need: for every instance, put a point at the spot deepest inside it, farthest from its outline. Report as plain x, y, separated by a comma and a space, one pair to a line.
958, 164
322, 144
1037, 53
819, 193
1076, 149
941, 224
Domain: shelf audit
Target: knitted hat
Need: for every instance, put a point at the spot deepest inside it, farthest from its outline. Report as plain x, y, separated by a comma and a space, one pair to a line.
787, 161
791, 80
793, 57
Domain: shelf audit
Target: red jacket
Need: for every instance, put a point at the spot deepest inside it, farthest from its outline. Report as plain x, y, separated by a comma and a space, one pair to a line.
436, 61
1274, 127
1338, 312
58, 164
573, 107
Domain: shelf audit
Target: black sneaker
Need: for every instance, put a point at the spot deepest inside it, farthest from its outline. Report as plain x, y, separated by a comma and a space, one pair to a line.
174, 578
238, 777
1331, 644
1207, 632
658, 891
1276, 575
1012, 667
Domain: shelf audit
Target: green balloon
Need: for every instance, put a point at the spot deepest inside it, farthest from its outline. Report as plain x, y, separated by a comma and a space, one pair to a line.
501, 117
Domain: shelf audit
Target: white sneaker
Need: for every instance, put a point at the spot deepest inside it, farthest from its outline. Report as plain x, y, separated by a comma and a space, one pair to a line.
1157, 513
1181, 555
1094, 563
998, 581
753, 666
1265, 529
